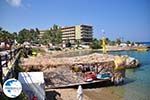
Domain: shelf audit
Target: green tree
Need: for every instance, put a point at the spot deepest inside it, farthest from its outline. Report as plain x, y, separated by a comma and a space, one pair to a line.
112, 43
107, 41
118, 41
27, 35
34, 36
5, 35
78, 43
47, 37
68, 44
54, 35
14, 35
128, 42
24, 35
132, 44
1, 34
37, 31
96, 44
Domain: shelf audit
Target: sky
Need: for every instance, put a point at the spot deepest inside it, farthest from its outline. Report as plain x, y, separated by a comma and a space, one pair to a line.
126, 19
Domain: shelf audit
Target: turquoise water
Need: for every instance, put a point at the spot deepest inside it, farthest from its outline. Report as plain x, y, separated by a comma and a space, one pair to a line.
137, 84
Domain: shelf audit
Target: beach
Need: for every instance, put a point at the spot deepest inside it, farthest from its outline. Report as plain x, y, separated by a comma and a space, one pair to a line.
101, 94
135, 86
88, 94
52, 72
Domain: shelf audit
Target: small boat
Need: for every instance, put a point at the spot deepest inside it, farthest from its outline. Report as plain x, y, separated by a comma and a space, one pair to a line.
142, 49
106, 75
89, 76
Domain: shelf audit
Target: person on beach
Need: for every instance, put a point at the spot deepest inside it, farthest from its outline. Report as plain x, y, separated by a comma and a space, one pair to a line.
80, 93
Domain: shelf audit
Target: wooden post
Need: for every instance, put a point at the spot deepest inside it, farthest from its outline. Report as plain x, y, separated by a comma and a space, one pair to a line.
6, 59
11, 56
1, 71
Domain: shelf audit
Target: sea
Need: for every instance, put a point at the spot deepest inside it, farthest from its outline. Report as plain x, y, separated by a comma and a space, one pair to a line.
145, 43
137, 83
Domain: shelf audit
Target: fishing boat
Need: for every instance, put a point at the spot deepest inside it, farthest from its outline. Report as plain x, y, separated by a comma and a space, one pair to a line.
106, 75
90, 76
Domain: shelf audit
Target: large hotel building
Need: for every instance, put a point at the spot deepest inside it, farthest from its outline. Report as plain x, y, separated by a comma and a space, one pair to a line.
81, 33
78, 33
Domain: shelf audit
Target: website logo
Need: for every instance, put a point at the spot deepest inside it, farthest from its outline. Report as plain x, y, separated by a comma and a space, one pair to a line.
12, 88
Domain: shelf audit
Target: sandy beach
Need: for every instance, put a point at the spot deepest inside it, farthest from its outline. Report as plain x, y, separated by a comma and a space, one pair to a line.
101, 94
89, 94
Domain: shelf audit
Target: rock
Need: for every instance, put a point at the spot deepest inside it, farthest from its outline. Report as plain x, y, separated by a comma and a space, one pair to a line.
132, 62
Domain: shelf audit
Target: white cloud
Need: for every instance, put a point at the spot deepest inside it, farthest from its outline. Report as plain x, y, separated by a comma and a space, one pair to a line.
15, 3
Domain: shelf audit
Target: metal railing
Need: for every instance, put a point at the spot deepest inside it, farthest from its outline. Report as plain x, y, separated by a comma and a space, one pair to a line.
6, 58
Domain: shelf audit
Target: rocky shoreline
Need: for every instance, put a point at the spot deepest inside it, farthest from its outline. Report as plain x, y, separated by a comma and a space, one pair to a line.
58, 71
47, 61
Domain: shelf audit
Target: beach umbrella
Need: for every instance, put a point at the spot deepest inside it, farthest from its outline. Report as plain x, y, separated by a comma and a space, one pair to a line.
80, 93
